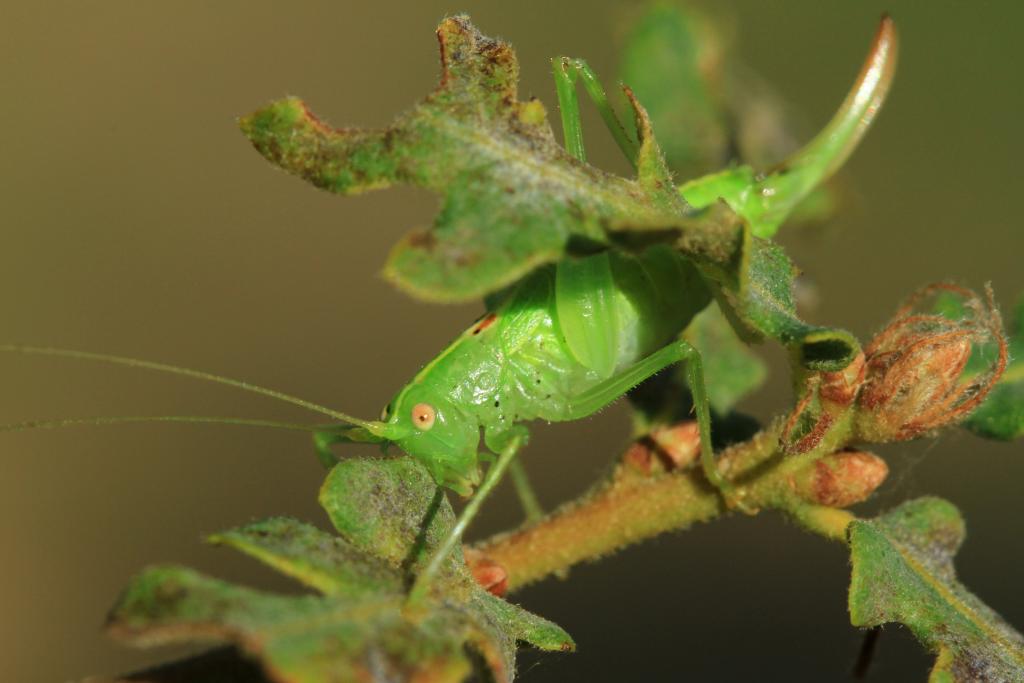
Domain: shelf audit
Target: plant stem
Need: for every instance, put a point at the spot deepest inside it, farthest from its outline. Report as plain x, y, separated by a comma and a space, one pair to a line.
627, 510
642, 499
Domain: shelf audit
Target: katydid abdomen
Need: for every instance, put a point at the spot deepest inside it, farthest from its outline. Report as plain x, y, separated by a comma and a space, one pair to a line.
555, 337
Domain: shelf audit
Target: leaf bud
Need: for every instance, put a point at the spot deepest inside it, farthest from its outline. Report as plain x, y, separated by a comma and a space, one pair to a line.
915, 380
664, 449
680, 443
841, 479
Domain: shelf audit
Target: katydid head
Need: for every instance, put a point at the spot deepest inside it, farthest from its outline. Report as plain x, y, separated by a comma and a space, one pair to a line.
443, 438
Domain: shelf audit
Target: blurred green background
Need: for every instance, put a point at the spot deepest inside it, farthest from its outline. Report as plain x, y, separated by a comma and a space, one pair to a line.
137, 220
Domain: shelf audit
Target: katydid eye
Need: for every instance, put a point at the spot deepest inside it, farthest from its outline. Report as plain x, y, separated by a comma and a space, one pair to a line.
423, 416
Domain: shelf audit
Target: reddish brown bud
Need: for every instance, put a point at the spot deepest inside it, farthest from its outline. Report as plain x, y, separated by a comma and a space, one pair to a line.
915, 365
679, 443
841, 479
639, 458
664, 449
491, 576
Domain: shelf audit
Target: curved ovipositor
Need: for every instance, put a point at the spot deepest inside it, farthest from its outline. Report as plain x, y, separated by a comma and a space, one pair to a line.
766, 200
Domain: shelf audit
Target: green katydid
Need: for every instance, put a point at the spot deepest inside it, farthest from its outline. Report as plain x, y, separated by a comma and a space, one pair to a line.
569, 338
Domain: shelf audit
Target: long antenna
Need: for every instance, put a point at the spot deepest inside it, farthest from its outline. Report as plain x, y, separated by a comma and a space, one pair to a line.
374, 427
192, 419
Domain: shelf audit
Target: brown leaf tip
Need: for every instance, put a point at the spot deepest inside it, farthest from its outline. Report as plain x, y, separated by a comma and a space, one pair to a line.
469, 59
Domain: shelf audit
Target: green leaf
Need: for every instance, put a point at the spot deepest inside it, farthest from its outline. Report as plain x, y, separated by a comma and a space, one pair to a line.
1001, 416
903, 572
753, 282
731, 370
389, 516
386, 508
302, 638
513, 197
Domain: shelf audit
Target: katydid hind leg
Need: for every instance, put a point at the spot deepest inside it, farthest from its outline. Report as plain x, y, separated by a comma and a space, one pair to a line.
594, 89
566, 72
569, 105
608, 391
702, 406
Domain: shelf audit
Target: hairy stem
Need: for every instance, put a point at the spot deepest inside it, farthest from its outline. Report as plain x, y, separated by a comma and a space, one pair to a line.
625, 511
642, 499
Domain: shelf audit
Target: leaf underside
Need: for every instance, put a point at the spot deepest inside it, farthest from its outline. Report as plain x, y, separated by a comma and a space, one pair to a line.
903, 572
752, 280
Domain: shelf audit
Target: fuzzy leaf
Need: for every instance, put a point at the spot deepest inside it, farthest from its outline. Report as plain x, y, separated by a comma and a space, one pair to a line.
387, 508
303, 638
513, 197
752, 279
903, 572
731, 370
1001, 416
327, 563
358, 627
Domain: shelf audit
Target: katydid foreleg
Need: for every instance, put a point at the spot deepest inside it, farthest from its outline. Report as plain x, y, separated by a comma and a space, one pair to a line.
524, 491
494, 474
